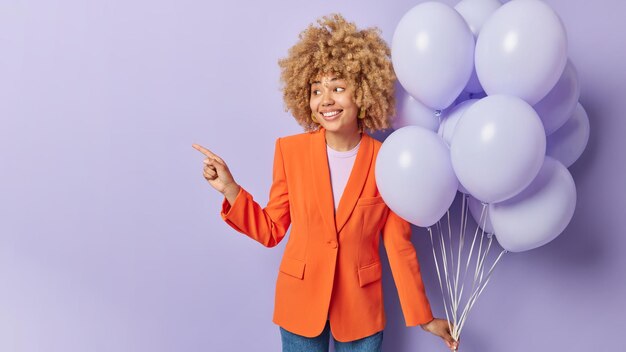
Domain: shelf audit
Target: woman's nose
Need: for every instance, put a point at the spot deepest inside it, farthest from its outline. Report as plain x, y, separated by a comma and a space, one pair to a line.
327, 99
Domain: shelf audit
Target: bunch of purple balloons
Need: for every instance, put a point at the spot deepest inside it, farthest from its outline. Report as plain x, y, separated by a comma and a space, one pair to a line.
509, 149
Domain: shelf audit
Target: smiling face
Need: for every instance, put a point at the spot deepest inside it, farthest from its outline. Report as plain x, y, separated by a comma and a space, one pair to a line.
332, 103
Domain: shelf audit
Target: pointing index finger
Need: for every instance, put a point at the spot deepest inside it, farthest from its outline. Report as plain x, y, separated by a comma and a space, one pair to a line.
203, 150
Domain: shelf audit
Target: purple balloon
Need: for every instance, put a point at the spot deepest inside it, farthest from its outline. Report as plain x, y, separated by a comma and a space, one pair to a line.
521, 50
473, 85
568, 142
411, 112
498, 147
476, 13
539, 213
451, 118
414, 175
476, 209
465, 96
448, 124
558, 106
433, 53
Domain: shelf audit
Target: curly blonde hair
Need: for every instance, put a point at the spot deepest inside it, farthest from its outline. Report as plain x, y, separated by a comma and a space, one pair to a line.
361, 57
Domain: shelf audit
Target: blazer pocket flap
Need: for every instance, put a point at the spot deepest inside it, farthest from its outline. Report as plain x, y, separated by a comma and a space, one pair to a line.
370, 201
292, 267
370, 273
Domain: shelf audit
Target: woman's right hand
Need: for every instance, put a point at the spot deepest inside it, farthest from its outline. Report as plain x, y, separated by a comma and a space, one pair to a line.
218, 175
441, 328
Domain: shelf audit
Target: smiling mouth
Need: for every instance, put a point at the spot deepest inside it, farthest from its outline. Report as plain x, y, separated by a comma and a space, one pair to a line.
329, 115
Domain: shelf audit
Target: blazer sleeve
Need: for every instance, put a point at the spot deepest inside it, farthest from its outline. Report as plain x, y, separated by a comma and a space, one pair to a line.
406, 271
265, 225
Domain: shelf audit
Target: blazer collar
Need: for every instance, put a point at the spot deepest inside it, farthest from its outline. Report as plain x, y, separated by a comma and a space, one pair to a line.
323, 188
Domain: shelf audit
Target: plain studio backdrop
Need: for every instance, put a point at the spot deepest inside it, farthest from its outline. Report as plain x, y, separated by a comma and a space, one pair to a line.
111, 240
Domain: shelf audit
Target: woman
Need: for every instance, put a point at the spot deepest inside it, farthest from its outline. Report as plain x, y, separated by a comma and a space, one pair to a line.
337, 82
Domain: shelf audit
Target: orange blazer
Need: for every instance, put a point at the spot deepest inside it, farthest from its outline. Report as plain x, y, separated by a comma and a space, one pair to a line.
331, 267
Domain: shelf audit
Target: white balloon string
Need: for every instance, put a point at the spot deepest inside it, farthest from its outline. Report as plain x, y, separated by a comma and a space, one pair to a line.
469, 259
475, 295
482, 284
451, 282
460, 248
480, 249
482, 262
462, 229
437, 114
489, 236
450, 241
479, 291
443, 294
476, 289
444, 258
471, 251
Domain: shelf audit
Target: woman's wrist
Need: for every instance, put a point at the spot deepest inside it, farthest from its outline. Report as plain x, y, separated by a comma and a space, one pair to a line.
231, 191
426, 324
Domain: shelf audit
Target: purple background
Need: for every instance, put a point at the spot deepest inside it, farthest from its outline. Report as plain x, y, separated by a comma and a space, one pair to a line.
111, 240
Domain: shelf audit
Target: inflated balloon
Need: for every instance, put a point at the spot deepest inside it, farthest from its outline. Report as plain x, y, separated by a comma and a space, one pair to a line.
476, 13
498, 147
451, 118
568, 142
411, 112
521, 50
480, 213
558, 106
414, 175
464, 96
448, 124
473, 84
539, 213
433, 53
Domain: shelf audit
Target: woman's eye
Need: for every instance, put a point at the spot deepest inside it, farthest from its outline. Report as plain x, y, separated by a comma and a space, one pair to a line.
339, 89
315, 92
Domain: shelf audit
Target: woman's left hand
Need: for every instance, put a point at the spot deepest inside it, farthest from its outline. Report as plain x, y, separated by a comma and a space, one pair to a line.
441, 328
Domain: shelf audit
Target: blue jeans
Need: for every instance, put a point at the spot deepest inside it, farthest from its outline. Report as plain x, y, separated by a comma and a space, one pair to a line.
296, 343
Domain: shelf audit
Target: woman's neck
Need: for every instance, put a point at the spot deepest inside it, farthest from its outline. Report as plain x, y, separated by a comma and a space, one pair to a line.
342, 142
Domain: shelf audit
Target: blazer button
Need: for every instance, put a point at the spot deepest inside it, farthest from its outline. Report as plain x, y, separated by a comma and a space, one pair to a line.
332, 244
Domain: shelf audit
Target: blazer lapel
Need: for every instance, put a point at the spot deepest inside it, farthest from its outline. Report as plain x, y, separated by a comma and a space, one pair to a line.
323, 188
356, 181
321, 180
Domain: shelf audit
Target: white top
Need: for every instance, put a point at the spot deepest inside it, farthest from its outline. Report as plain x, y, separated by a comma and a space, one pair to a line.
340, 164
